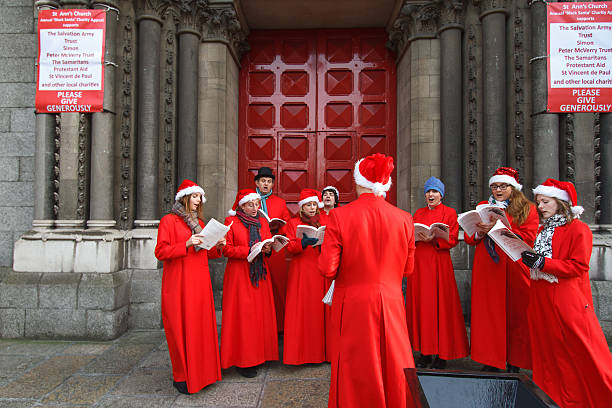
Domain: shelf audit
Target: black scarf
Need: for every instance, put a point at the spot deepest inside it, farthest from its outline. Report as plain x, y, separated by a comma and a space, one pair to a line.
257, 269
191, 219
543, 245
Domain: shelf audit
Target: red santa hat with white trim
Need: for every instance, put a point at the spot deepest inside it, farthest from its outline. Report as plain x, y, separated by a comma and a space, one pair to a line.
308, 195
188, 187
506, 175
242, 197
374, 172
563, 190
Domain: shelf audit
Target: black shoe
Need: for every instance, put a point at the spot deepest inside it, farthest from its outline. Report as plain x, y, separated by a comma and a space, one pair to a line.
424, 361
248, 372
513, 369
181, 387
489, 369
438, 363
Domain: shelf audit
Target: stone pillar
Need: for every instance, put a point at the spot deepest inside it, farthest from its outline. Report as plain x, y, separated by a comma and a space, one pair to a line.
451, 95
44, 156
147, 205
605, 137
102, 131
545, 125
493, 17
188, 49
223, 41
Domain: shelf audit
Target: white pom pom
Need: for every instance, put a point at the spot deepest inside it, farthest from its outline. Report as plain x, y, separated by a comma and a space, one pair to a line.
577, 210
378, 189
321, 205
231, 212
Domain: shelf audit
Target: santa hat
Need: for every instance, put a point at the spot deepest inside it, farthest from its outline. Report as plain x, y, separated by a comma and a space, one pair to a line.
243, 196
563, 190
332, 188
506, 175
374, 172
308, 195
188, 187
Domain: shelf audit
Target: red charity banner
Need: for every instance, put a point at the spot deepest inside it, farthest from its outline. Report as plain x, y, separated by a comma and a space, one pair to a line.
70, 71
579, 57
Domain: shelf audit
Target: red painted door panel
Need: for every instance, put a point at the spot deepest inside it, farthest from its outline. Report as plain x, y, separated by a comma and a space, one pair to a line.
313, 102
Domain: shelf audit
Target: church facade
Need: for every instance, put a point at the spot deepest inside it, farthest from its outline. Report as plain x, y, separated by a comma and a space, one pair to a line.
211, 90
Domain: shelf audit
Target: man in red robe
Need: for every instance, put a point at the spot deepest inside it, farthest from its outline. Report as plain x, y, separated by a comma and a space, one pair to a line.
275, 207
368, 248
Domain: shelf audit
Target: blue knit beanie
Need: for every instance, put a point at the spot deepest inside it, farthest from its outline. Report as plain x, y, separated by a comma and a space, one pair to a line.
433, 183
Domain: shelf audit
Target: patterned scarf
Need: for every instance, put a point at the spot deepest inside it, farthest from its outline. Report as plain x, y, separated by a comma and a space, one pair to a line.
488, 242
191, 219
264, 197
543, 245
314, 221
257, 269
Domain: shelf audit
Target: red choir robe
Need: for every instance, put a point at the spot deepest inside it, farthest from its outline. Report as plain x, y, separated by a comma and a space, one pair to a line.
329, 338
499, 332
188, 310
304, 335
571, 359
248, 325
368, 248
433, 308
277, 262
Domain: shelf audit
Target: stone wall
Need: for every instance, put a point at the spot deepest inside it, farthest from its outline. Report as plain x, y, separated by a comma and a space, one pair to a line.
17, 87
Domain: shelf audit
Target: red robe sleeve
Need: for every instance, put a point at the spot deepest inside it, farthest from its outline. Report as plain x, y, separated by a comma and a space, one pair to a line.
329, 260
577, 263
165, 249
231, 249
295, 245
450, 219
409, 265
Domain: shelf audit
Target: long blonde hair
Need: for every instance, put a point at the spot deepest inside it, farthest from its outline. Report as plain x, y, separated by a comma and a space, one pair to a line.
519, 206
199, 210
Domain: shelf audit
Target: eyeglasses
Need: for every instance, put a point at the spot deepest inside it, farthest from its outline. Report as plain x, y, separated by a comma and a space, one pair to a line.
499, 186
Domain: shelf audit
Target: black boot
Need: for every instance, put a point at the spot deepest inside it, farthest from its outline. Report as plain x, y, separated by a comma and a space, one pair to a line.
489, 369
248, 372
513, 369
181, 387
424, 361
438, 363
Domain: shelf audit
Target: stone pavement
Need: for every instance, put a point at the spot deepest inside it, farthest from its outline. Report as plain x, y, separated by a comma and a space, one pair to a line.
134, 371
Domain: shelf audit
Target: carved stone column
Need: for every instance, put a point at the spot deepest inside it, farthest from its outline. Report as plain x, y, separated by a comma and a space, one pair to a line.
545, 125
451, 101
149, 31
188, 45
493, 17
605, 190
102, 130
44, 156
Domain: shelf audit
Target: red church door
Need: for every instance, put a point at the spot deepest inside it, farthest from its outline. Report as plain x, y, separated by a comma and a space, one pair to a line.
312, 102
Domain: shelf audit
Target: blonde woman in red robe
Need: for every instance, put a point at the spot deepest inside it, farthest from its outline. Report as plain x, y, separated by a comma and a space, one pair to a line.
571, 359
248, 324
499, 332
433, 308
188, 310
304, 336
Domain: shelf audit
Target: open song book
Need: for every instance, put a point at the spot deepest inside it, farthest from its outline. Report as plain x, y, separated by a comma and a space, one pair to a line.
278, 242
327, 299
212, 233
508, 241
435, 230
484, 213
312, 232
274, 223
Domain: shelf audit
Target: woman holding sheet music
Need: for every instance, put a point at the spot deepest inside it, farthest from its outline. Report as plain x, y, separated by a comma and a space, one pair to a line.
188, 310
571, 359
433, 308
304, 338
248, 327
500, 287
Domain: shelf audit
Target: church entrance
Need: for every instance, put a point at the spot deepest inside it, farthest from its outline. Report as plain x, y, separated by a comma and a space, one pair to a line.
312, 102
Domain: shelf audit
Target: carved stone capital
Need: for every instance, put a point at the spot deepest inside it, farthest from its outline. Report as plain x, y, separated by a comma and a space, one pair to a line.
113, 4
192, 14
47, 4
153, 9
221, 24
69, 4
451, 15
491, 6
415, 21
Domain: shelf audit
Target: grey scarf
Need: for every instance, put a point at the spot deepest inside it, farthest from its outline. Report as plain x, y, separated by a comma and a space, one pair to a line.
191, 219
543, 245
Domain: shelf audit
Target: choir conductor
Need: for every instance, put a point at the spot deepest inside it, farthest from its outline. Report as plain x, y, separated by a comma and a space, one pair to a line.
368, 248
